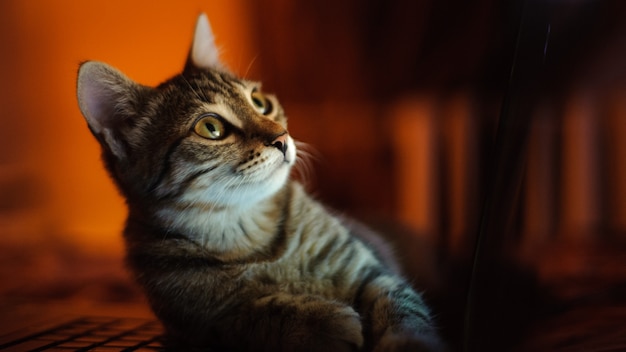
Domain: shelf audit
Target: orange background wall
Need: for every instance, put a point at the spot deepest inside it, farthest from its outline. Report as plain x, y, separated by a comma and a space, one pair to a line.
53, 185
52, 182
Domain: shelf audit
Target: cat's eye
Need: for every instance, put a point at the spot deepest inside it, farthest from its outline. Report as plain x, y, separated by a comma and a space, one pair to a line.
260, 102
210, 127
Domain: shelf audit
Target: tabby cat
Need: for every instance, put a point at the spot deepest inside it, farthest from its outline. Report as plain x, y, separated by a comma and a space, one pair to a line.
231, 253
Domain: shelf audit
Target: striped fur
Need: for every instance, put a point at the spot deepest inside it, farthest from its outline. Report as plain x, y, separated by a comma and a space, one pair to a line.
231, 253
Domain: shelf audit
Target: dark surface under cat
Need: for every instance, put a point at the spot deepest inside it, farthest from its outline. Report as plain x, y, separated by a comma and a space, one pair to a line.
592, 323
91, 334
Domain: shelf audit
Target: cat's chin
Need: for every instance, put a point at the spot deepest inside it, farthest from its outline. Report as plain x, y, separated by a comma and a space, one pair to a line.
241, 195
248, 194
264, 184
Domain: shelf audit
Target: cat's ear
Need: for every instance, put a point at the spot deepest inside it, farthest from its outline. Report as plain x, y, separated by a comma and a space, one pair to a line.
106, 97
203, 53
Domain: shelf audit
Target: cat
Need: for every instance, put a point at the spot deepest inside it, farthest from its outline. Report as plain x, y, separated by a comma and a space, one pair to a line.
232, 253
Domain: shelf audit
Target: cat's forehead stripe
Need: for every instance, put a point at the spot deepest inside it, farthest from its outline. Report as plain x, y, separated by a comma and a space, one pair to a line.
243, 84
221, 108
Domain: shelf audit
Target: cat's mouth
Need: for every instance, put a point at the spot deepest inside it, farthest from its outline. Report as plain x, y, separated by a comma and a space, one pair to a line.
270, 166
279, 165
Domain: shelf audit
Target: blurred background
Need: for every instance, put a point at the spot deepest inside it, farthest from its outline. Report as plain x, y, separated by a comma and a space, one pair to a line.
401, 103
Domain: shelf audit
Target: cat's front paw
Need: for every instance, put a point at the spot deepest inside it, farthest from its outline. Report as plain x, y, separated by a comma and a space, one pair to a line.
408, 342
334, 328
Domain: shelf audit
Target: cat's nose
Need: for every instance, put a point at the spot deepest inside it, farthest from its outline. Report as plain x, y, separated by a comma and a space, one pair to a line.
280, 143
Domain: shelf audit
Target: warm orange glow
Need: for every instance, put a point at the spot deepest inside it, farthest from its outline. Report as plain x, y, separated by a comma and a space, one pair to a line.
580, 191
54, 186
616, 130
45, 144
414, 127
459, 134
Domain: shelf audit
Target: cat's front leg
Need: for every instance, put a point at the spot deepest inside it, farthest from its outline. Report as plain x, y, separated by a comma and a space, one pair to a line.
397, 319
286, 322
408, 341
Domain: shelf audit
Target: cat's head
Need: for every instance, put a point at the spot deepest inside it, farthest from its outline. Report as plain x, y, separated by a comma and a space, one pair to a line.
204, 137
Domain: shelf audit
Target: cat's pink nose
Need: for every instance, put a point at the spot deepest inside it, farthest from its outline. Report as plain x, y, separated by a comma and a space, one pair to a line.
281, 143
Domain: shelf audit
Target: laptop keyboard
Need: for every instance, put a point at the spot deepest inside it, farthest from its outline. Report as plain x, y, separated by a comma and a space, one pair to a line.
94, 334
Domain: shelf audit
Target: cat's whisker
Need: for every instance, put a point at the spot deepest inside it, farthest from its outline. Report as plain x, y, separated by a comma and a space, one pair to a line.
306, 150
305, 157
245, 75
191, 87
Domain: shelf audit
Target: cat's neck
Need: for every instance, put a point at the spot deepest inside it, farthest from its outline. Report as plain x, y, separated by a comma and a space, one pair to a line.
229, 232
